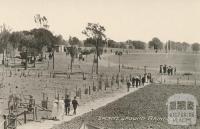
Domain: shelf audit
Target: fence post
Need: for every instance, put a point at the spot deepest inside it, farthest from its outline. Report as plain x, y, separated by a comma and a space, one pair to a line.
111, 83
177, 80
89, 90
80, 92
24, 117
83, 76
47, 103
97, 85
105, 85
5, 122
35, 113
53, 74
76, 91
10, 74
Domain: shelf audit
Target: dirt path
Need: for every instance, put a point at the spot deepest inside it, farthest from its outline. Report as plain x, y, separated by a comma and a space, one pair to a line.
47, 124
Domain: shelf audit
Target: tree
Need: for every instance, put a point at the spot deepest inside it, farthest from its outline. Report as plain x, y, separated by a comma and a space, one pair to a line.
137, 44
44, 38
122, 45
41, 21
178, 46
185, 46
34, 41
74, 41
4, 40
195, 47
26, 44
96, 32
156, 44
73, 52
89, 42
59, 40
15, 40
29, 44
113, 44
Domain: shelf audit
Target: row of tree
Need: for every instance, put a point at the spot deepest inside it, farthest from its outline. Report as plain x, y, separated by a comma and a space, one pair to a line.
29, 43
155, 44
34, 42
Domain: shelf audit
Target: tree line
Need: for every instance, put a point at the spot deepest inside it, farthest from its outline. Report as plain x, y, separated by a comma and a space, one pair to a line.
34, 42
29, 43
154, 44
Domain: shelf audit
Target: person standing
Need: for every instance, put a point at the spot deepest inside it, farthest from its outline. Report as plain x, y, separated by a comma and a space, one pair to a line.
168, 70
137, 81
75, 104
143, 80
31, 103
161, 69
133, 81
174, 70
67, 104
165, 68
128, 85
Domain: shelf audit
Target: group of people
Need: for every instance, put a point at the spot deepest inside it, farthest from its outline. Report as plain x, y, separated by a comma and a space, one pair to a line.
136, 81
62, 107
169, 70
68, 102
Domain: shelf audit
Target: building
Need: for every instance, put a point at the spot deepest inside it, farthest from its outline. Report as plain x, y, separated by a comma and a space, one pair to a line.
60, 48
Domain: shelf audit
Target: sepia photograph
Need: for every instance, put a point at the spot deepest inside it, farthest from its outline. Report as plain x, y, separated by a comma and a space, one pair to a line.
99, 64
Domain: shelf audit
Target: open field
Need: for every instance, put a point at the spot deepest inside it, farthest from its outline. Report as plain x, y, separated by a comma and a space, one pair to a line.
35, 85
38, 81
147, 106
183, 62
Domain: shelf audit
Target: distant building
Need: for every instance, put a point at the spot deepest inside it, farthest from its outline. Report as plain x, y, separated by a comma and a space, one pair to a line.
60, 48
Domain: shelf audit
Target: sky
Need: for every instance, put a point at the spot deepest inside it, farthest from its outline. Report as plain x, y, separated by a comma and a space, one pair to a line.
177, 20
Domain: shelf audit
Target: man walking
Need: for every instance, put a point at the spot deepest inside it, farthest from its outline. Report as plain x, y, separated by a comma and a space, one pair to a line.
143, 80
75, 104
133, 81
137, 81
67, 104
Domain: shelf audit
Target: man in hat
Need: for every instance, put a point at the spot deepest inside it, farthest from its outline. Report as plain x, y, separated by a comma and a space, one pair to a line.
67, 104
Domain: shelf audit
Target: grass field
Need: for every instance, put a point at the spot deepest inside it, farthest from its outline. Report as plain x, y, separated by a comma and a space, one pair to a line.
142, 105
183, 62
34, 85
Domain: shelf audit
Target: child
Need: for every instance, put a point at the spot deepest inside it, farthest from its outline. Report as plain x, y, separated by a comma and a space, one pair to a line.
75, 104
